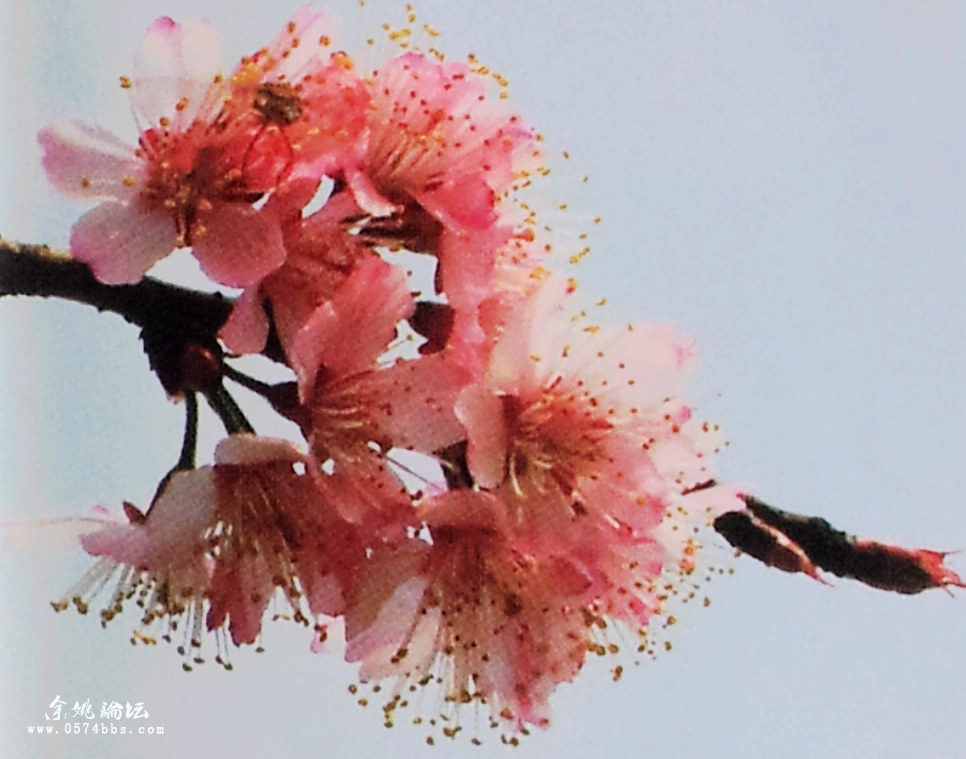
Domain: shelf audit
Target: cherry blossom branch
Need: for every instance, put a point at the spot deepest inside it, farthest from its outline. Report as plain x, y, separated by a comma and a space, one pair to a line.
797, 543
179, 326
36, 270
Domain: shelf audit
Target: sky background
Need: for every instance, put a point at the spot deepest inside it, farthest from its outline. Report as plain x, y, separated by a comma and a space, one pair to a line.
785, 181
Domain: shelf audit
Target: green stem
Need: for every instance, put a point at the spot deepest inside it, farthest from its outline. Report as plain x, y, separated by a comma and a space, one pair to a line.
189, 444
250, 383
228, 411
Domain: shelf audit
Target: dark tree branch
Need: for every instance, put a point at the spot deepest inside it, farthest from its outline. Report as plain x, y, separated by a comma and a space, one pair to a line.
159, 308
36, 270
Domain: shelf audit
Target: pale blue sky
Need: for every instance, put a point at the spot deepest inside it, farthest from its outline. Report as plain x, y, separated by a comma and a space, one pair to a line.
786, 181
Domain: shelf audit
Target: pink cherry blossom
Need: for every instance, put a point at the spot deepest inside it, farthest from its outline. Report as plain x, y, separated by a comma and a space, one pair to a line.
434, 139
492, 626
356, 421
580, 428
209, 146
588, 480
440, 156
219, 541
305, 96
182, 185
271, 529
158, 559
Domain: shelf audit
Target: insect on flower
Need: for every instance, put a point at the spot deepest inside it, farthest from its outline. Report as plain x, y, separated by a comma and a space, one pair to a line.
278, 103
280, 107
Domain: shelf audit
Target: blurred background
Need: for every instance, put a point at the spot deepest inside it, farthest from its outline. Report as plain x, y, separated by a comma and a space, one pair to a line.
785, 181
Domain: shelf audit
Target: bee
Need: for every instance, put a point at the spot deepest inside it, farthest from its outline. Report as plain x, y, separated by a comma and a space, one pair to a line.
278, 103
280, 107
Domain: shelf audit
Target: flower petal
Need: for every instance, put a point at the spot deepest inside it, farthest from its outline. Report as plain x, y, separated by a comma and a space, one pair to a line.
367, 196
464, 508
237, 245
482, 415
383, 610
417, 401
85, 161
120, 243
170, 535
246, 330
368, 305
174, 70
244, 448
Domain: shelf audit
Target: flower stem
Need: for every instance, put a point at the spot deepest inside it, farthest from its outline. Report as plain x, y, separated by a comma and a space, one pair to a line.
250, 383
189, 444
228, 411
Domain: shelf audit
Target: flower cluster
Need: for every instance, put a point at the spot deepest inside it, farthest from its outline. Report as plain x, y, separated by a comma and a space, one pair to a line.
566, 482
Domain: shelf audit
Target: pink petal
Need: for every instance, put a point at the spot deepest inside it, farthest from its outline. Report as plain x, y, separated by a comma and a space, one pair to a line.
323, 594
464, 509
368, 305
252, 449
177, 63
240, 592
173, 531
185, 507
465, 203
481, 413
627, 489
416, 403
466, 264
237, 245
542, 319
392, 622
653, 355
367, 196
386, 597
246, 330
296, 45
124, 543
120, 243
415, 653
290, 198
366, 492
85, 161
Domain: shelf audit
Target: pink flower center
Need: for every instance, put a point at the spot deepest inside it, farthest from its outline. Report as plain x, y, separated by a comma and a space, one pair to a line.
264, 517
342, 419
190, 171
553, 440
404, 157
